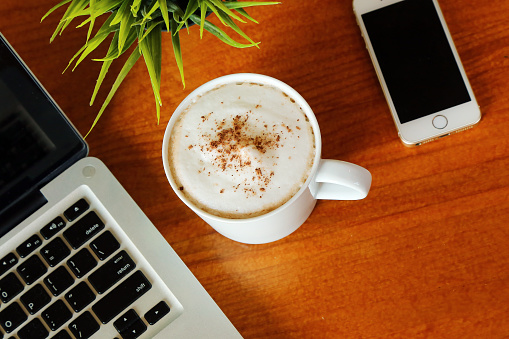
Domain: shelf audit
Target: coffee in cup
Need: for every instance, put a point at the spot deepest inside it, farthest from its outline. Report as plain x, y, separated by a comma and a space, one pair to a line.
241, 150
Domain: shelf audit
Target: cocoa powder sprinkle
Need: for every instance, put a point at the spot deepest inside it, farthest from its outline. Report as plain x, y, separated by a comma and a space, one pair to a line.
229, 139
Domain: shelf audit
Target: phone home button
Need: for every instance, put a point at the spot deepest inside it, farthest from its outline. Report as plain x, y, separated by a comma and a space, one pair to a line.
440, 122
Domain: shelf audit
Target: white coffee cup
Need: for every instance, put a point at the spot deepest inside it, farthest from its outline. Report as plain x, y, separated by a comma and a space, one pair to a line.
328, 179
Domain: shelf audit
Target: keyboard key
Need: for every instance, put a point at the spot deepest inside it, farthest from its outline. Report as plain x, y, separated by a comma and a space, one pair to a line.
34, 329
82, 263
108, 274
80, 296
104, 245
121, 297
83, 230
52, 228
29, 245
8, 262
55, 252
62, 335
157, 312
10, 286
73, 212
126, 320
35, 299
135, 330
56, 315
59, 280
84, 326
32, 269
12, 317
129, 325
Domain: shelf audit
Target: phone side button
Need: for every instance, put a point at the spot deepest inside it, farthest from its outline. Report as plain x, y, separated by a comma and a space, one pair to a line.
440, 122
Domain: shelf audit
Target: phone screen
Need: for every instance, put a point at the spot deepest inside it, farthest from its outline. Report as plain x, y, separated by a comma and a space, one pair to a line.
415, 58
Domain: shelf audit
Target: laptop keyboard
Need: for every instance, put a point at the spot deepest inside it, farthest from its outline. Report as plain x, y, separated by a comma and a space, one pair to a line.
78, 277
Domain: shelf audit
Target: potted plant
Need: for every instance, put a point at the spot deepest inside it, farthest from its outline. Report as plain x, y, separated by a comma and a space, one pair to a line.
142, 21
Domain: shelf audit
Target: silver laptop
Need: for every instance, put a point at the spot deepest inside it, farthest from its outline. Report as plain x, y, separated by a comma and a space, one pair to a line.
78, 258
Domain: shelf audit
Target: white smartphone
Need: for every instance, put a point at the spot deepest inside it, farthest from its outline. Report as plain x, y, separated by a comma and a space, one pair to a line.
418, 67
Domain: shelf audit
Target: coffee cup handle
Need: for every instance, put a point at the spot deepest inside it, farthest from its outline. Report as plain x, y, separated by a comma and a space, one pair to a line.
340, 180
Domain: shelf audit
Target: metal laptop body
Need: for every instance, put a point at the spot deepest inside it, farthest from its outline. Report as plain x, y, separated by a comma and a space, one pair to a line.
146, 274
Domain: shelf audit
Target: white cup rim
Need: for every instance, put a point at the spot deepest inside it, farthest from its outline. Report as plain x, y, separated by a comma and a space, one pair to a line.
232, 78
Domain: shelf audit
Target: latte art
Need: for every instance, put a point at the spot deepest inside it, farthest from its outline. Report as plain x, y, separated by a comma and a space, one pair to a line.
241, 150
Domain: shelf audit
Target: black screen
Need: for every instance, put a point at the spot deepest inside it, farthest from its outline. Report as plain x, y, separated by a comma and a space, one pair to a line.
36, 141
416, 60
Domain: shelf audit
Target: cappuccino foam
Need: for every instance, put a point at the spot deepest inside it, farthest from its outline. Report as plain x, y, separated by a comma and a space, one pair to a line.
241, 150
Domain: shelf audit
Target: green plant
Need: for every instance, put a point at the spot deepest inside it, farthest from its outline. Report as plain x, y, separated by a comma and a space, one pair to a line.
143, 21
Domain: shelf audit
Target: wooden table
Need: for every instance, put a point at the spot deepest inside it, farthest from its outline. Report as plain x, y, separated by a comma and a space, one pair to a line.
426, 254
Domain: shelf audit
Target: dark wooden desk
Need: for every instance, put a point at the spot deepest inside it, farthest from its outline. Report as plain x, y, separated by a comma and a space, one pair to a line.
426, 254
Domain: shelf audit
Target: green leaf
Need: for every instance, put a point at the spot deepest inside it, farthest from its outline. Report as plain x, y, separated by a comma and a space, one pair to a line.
89, 48
149, 29
104, 68
74, 57
236, 28
244, 4
203, 14
99, 37
215, 10
135, 55
140, 29
92, 18
125, 27
113, 52
173, 8
135, 7
192, 6
242, 12
239, 7
164, 12
151, 51
221, 35
175, 41
100, 8
178, 14
150, 12
226, 10
57, 6
55, 33
120, 13
102, 74
74, 6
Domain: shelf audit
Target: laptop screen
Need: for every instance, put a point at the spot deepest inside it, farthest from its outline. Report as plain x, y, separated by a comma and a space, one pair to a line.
36, 140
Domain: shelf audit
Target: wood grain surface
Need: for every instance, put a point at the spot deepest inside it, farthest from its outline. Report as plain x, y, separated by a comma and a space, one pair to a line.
425, 255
